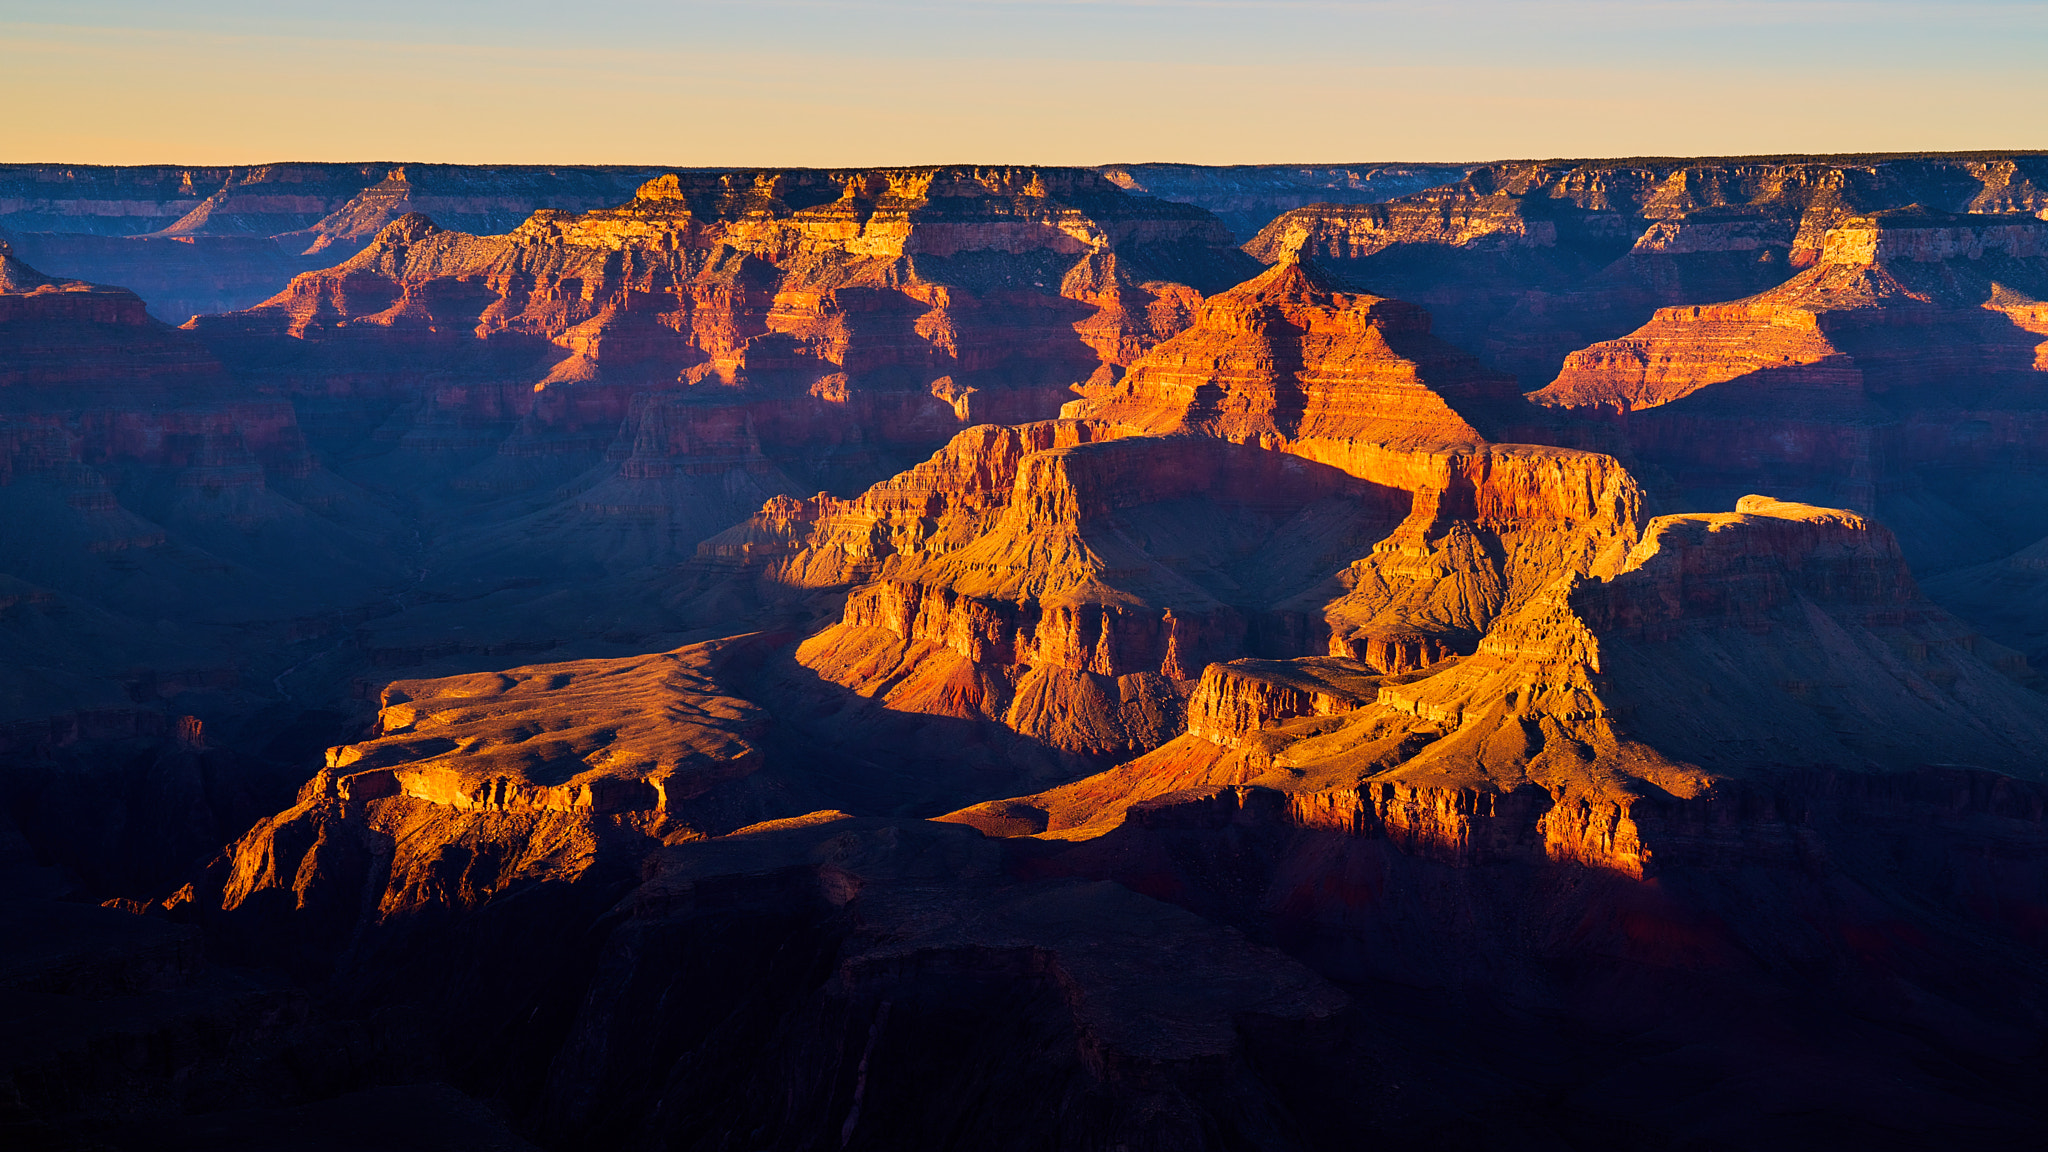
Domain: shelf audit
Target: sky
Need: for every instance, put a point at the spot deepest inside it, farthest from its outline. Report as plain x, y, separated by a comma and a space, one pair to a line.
825, 83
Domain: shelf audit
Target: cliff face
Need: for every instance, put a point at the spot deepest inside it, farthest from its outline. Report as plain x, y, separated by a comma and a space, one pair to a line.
936, 507
805, 281
1236, 699
1892, 296
1246, 197
1356, 383
195, 240
1078, 611
845, 320
1902, 357
1794, 634
1300, 653
62, 334
1286, 357
1056, 578
1524, 262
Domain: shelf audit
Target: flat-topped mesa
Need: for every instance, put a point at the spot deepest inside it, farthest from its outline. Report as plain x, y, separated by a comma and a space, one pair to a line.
1742, 566
1238, 698
891, 213
1070, 573
1794, 634
647, 734
18, 279
1287, 358
30, 300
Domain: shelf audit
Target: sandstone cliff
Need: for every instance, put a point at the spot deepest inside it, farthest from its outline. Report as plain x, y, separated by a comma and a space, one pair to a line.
1070, 580
1900, 358
1078, 611
190, 240
841, 324
1269, 669
1524, 262
1794, 636
1286, 357
1246, 197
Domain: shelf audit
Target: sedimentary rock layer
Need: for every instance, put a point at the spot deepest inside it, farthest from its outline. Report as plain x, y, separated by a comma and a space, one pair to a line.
1794, 636
1524, 262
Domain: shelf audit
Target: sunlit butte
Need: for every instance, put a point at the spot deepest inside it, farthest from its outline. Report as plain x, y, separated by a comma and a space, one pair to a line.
1175, 575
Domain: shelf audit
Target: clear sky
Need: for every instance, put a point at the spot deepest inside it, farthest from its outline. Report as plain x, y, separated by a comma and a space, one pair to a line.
790, 82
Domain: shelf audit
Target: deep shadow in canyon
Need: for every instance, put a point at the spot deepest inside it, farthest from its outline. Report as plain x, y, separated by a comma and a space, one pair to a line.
1532, 655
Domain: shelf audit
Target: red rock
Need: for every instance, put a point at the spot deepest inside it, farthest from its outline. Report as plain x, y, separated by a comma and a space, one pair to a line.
1828, 382
1286, 357
1794, 635
1525, 262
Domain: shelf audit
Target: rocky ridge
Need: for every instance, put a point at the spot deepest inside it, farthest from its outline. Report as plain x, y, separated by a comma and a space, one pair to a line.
1827, 381
1526, 261
195, 240
1246, 197
1795, 634
1288, 673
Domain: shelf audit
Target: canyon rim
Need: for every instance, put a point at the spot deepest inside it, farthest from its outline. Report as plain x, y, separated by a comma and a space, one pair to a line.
1163, 655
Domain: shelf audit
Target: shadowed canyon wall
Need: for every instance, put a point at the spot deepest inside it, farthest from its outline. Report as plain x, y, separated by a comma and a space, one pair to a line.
1523, 655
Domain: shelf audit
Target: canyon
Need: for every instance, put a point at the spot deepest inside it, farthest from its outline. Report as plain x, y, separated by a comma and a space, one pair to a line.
1517, 655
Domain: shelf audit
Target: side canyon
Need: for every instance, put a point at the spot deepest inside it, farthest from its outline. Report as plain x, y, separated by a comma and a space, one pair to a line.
1521, 655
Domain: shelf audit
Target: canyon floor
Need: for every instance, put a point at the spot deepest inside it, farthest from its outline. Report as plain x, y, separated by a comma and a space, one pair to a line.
1533, 655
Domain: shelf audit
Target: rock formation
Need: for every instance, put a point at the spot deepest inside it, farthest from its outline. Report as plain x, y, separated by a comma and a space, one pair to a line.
925, 657
1286, 358
1524, 262
193, 240
840, 324
1794, 636
1828, 382
1049, 577
1246, 197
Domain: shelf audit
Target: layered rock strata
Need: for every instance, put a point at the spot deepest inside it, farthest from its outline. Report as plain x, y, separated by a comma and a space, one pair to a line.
1286, 359
1079, 611
1354, 382
1238, 698
1794, 634
1048, 577
809, 281
1246, 197
850, 321
1525, 262
1908, 351
192, 240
